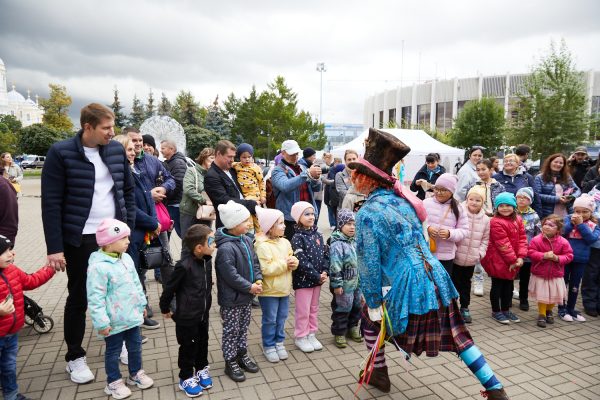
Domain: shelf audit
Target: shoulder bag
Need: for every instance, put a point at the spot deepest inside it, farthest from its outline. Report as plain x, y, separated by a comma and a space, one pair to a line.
155, 255
205, 211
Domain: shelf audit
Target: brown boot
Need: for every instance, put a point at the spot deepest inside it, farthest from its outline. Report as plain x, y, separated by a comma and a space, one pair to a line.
379, 379
495, 394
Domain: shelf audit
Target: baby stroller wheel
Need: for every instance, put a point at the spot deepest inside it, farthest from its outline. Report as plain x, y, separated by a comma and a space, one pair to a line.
43, 324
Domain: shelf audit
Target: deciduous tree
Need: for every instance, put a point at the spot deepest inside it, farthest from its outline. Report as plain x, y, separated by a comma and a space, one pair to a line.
56, 109
480, 122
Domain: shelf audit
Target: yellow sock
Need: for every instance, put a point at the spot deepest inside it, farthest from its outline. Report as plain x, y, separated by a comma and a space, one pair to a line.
542, 309
549, 308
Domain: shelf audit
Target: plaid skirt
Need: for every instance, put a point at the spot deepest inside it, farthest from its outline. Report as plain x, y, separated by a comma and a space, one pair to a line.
439, 330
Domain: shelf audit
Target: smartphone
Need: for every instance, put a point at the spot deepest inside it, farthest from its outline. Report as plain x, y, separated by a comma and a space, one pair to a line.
9, 297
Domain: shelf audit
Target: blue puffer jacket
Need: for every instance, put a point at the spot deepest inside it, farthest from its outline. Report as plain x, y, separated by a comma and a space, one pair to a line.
520, 180
581, 238
68, 188
150, 168
546, 191
286, 187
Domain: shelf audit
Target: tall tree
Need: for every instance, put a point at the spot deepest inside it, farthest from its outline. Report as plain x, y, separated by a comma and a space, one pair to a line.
9, 130
56, 109
150, 105
120, 118
216, 120
480, 122
137, 115
197, 138
37, 138
269, 118
164, 107
186, 110
551, 112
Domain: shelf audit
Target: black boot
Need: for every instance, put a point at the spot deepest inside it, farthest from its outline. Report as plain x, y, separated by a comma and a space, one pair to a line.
495, 394
246, 362
379, 379
233, 370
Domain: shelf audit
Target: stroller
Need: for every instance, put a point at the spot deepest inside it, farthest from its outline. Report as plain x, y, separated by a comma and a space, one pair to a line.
35, 318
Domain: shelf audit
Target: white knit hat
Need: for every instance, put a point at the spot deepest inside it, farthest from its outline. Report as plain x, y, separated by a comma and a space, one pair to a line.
232, 214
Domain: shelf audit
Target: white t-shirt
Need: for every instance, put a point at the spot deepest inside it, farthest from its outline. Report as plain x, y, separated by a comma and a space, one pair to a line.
103, 202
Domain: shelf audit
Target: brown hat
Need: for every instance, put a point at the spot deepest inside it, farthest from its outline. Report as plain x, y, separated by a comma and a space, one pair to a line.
383, 151
580, 149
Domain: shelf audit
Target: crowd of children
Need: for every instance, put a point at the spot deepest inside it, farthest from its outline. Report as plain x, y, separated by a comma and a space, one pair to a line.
507, 239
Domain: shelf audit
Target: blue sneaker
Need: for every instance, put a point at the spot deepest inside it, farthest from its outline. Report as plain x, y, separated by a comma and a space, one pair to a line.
500, 317
191, 387
512, 317
203, 377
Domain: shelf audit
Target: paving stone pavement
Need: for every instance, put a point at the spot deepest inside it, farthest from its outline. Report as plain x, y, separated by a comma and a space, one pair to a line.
559, 362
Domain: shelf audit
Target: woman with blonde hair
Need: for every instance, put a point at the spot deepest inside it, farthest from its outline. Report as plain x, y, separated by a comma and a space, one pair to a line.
12, 171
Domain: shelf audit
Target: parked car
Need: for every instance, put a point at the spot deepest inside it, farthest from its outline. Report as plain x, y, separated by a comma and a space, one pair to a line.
33, 161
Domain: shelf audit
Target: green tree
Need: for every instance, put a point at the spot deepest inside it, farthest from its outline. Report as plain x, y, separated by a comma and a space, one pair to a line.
164, 107
37, 138
150, 105
186, 110
551, 112
137, 115
269, 118
8, 140
216, 120
13, 124
197, 138
480, 122
117, 108
56, 109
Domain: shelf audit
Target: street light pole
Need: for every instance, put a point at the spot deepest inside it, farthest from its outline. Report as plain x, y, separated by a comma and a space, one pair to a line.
321, 68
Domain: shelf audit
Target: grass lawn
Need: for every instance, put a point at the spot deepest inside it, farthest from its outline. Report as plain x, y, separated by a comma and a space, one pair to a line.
32, 173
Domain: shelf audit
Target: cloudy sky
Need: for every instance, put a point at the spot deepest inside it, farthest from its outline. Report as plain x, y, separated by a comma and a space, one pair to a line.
218, 47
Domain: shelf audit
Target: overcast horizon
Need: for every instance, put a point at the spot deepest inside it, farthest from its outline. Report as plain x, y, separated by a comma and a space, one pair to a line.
214, 49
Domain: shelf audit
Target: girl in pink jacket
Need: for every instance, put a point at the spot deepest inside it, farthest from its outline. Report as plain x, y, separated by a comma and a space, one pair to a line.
472, 248
447, 223
549, 253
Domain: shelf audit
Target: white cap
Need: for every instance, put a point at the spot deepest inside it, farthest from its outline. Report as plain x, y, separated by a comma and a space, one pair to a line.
291, 147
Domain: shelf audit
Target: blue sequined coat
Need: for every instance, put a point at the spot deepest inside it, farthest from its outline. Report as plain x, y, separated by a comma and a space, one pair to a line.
391, 251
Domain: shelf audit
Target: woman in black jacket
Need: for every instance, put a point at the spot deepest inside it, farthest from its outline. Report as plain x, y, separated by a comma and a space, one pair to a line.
427, 175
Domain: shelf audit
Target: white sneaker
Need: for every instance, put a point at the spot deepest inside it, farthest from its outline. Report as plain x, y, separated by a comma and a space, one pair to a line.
271, 354
281, 352
312, 338
515, 294
579, 318
140, 380
124, 357
478, 285
567, 318
79, 371
304, 344
117, 389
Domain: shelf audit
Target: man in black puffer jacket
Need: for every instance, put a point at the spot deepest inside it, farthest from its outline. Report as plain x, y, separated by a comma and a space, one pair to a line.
176, 164
85, 179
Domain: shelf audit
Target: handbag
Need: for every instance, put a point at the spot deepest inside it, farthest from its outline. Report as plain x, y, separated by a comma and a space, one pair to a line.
162, 214
155, 255
205, 211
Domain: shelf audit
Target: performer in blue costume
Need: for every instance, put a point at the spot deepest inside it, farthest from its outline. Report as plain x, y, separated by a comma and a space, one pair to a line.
394, 256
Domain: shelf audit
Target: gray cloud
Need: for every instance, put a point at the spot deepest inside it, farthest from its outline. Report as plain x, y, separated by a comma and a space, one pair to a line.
219, 47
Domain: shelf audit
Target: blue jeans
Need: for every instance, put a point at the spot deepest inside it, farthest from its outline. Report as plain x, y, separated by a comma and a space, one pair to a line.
9, 345
174, 213
331, 211
114, 343
573, 275
274, 314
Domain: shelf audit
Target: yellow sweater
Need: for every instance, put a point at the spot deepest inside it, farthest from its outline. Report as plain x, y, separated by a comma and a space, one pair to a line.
272, 254
251, 181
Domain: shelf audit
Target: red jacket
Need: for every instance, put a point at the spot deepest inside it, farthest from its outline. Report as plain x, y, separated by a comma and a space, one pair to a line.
14, 281
507, 243
549, 269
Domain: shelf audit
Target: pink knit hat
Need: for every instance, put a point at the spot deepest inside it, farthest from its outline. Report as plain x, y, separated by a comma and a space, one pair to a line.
267, 217
299, 208
110, 230
585, 201
447, 181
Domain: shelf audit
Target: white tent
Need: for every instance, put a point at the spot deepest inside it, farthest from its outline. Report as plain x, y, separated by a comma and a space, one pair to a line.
420, 144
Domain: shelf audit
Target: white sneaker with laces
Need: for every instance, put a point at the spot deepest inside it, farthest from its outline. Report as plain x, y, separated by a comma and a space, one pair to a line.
117, 389
478, 285
281, 352
124, 356
140, 380
79, 371
312, 338
304, 345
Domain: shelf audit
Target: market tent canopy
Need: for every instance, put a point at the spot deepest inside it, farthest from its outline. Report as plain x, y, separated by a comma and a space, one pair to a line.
420, 144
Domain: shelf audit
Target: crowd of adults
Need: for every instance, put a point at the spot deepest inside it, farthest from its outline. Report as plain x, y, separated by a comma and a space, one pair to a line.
95, 175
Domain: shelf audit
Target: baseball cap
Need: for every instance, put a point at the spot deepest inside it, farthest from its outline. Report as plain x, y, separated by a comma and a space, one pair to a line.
581, 149
290, 147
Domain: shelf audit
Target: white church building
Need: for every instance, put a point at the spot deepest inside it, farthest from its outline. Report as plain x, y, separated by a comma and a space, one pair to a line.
13, 103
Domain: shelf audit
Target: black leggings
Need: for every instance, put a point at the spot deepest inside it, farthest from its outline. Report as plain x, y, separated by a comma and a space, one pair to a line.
501, 294
461, 277
524, 275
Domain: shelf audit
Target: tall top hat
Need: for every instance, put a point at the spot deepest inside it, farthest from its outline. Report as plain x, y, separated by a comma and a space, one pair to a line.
383, 151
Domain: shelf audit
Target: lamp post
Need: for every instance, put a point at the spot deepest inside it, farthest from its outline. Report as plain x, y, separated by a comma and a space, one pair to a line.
321, 68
